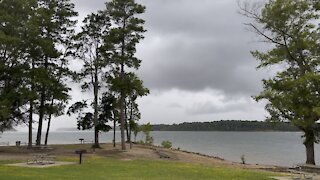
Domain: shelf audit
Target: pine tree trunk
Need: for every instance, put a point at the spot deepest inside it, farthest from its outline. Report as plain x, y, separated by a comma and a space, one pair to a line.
95, 115
122, 118
309, 144
41, 115
122, 95
126, 121
130, 139
114, 132
31, 110
48, 129
49, 123
30, 124
130, 122
123, 143
41, 108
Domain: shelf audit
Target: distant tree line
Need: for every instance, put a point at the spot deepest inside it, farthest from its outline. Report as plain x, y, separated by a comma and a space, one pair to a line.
227, 125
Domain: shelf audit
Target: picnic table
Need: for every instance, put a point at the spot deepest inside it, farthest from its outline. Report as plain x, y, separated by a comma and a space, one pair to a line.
4, 143
41, 159
42, 147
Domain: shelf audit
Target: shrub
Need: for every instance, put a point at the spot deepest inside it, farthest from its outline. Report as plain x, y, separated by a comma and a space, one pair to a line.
243, 159
149, 140
140, 142
166, 144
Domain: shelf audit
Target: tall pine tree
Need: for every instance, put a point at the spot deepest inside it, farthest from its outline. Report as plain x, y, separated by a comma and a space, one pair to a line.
90, 40
121, 42
52, 29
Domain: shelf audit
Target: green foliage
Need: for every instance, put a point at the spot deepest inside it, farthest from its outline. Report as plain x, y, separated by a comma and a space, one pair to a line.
13, 67
101, 167
31, 64
140, 142
120, 47
88, 43
85, 120
166, 144
146, 129
293, 93
134, 126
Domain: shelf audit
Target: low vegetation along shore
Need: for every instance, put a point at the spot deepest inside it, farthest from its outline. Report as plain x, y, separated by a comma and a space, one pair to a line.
141, 162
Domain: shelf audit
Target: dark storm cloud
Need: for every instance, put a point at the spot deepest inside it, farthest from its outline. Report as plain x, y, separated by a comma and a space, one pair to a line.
194, 46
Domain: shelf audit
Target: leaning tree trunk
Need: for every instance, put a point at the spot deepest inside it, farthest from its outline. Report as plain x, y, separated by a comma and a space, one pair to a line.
309, 144
49, 123
48, 129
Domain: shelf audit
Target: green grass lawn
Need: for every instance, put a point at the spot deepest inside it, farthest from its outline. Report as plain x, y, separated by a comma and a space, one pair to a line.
111, 168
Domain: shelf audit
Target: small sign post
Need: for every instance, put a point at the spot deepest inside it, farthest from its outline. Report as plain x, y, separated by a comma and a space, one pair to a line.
80, 152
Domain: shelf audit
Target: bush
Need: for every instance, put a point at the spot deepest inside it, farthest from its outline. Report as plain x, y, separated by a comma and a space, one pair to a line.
166, 144
243, 159
149, 140
140, 142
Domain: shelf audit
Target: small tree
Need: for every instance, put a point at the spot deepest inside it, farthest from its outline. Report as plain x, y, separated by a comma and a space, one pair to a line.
136, 129
85, 118
146, 129
166, 144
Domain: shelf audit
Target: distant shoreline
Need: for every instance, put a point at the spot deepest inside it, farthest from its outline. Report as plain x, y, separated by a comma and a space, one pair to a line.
229, 125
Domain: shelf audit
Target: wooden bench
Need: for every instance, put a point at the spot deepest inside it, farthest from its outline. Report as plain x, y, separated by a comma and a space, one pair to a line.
88, 142
162, 154
41, 147
4, 143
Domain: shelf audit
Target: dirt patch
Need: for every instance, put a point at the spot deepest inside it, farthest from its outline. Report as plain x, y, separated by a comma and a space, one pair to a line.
57, 163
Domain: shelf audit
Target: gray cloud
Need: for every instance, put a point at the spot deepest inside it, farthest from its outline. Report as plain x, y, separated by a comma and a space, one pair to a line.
194, 46
175, 105
194, 54
209, 108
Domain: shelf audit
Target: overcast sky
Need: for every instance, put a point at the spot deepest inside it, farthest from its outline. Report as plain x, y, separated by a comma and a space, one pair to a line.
196, 62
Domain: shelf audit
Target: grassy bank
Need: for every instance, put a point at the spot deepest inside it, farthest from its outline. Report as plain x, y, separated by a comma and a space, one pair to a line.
112, 168
141, 162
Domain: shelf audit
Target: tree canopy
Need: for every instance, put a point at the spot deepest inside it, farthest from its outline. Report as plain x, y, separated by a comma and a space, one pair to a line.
293, 93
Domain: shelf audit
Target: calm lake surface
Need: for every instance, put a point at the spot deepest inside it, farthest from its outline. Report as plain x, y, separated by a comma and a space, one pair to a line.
274, 148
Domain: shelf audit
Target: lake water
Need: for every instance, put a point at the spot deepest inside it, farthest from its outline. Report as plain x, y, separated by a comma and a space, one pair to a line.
274, 148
